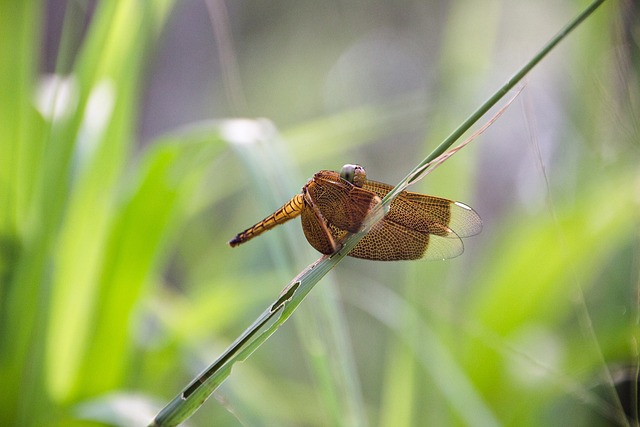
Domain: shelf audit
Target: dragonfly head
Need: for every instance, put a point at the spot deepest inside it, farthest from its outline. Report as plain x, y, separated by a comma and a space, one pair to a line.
355, 174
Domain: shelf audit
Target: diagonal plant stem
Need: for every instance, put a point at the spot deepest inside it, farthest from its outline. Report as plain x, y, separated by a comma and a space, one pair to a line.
192, 397
415, 174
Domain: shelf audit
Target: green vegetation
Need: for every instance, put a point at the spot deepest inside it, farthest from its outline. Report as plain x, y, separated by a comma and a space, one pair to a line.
117, 287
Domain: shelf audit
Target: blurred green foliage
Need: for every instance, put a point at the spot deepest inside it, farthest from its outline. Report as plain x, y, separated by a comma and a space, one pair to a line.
116, 200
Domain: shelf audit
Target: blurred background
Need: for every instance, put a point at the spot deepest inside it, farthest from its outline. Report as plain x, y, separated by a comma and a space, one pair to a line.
139, 137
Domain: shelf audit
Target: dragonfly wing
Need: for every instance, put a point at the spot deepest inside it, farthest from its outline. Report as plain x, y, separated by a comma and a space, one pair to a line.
390, 241
314, 233
429, 214
317, 235
342, 204
446, 216
464, 220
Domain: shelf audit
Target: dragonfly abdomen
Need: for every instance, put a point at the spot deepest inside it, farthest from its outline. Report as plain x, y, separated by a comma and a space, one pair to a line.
288, 211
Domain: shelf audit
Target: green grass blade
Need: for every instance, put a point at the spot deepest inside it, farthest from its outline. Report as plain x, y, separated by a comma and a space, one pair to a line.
20, 125
169, 176
103, 129
20, 155
57, 162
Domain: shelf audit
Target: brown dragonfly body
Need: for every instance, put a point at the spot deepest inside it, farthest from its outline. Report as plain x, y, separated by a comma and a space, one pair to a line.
334, 204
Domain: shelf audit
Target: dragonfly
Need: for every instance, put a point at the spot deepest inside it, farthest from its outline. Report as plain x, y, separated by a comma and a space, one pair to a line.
333, 205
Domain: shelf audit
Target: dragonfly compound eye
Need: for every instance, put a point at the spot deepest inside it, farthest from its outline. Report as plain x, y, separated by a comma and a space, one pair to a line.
355, 174
347, 173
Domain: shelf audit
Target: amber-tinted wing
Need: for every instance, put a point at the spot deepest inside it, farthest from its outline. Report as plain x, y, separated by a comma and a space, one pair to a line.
417, 226
314, 232
317, 235
342, 204
389, 241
